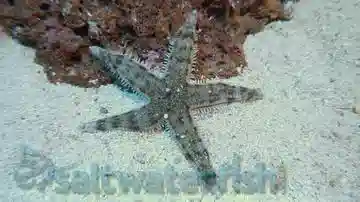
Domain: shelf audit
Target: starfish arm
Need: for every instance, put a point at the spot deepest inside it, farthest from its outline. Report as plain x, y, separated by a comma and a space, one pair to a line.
215, 94
181, 127
182, 51
141, 119
126, 72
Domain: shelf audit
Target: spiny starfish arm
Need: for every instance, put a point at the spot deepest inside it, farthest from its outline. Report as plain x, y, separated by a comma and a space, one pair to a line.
180, 126
182, 50
126, 71
215, 94
188, 28
141, 119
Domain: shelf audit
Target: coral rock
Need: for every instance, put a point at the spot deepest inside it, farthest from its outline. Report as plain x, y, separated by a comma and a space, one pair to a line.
62, 32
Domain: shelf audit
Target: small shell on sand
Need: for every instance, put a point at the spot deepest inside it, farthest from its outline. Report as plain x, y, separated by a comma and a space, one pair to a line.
356, 108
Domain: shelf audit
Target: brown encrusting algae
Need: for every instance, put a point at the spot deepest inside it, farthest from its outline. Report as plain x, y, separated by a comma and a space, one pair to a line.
62, 32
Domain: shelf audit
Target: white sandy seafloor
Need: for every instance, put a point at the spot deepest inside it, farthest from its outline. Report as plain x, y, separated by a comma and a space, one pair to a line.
308, 68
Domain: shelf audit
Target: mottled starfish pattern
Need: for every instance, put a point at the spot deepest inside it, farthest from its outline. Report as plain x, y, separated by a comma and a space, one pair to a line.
171, 97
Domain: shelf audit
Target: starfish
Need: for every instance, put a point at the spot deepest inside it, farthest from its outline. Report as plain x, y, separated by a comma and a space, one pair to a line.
171, 97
